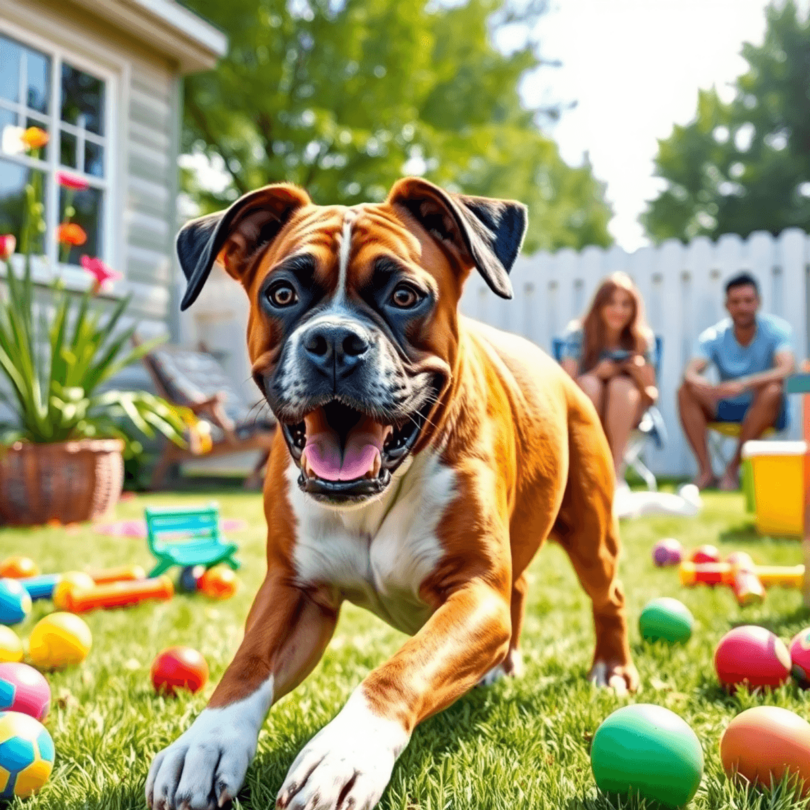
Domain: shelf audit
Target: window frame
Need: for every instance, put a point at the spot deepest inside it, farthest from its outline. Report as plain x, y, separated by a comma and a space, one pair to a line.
47, 266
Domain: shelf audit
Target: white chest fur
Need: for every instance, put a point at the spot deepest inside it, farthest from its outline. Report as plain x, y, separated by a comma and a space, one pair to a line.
377, 555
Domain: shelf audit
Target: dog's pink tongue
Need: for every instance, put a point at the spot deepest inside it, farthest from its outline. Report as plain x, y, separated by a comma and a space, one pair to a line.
323, 453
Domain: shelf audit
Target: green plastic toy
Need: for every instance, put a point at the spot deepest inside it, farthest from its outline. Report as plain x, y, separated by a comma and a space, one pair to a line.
650, 751
666, 619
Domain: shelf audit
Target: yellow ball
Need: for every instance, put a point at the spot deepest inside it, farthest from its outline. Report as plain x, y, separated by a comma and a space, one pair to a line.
72, 580
59, 640
11, 648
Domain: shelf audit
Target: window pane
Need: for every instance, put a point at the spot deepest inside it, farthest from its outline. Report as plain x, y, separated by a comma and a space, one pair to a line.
86, 212
82, 100
10, 56
39, 81
67, 150
94, 159
13, 179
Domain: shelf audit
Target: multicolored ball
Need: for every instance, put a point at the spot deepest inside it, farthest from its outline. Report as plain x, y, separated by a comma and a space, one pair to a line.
26, 755
189, 579
11, 648
219, 582
179, 668
668, 551
800, 658
59, 640
23, 689
15, 603
752, 656
18, 568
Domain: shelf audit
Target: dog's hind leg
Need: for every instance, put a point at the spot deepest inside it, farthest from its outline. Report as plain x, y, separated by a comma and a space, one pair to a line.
588, 531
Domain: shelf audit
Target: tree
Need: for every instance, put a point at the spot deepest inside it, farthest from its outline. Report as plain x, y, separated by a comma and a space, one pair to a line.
744, 165
345, 96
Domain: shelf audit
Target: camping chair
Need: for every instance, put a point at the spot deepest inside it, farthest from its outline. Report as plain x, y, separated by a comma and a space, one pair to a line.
224, 423
650, 428
719, 432
187, 537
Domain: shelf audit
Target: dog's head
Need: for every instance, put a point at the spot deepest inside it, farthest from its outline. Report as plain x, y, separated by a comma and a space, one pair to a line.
353, 315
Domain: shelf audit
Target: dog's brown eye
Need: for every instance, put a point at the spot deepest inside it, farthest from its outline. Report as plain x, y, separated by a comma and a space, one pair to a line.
282, 294
405, 296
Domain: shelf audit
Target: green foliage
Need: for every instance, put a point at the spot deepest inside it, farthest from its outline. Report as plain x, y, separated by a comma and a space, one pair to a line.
744, 165
343, 98
55, 369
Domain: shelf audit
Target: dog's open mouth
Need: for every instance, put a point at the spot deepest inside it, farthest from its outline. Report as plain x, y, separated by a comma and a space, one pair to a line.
345, 454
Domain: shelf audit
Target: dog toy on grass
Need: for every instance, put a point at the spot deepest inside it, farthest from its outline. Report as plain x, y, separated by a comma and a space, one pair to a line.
18, 567
59, 640
23, 689
705, 554
764, 744
668, 551
26, 755
15, 603
179, 668
118, 594
666, 619
800, 658
69, 582
11, 648
218, 582
189, 579
649, 751
752, 656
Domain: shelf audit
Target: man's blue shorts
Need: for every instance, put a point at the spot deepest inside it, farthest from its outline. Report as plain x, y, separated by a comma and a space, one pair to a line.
733, 410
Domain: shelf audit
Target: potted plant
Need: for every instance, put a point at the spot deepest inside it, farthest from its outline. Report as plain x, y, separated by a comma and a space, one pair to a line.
61, 454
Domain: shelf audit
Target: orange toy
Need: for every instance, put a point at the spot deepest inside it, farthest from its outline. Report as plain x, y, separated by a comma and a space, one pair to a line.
123, 573
764, 744
18, 568
218, 582
119, 594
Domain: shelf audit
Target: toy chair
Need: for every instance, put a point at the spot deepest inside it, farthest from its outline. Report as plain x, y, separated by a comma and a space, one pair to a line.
650, 428
187, 537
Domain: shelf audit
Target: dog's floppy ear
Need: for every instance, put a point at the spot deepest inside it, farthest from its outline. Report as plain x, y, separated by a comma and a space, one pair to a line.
233, 234
488, 233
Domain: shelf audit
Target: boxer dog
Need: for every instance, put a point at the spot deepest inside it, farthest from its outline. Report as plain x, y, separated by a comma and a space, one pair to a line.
422, 459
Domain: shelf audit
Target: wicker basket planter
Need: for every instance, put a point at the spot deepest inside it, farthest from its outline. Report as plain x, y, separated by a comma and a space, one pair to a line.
67, 481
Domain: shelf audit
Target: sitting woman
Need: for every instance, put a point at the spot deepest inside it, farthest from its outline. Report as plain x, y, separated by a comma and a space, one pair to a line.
610, 353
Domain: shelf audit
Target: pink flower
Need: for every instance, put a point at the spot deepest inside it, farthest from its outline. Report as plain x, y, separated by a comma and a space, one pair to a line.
100, 271
8, 243
71, 181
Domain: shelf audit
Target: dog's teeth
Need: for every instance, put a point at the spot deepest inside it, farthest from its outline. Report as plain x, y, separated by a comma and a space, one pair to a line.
375, 467
305, 465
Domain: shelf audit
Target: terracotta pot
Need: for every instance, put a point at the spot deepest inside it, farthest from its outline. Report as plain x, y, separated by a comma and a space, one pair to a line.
65, 481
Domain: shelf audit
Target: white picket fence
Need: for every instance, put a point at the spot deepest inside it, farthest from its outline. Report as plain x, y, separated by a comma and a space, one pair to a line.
682, 286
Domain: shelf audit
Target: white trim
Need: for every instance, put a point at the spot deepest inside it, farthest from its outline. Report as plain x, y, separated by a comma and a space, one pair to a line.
115, 116
189, 23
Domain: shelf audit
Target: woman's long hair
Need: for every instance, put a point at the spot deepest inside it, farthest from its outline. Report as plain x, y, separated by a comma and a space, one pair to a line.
636, 334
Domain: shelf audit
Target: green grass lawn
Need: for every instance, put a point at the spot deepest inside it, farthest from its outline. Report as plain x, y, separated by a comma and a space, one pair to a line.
519, 744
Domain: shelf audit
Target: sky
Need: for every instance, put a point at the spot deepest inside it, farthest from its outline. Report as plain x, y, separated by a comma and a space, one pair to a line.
634, 68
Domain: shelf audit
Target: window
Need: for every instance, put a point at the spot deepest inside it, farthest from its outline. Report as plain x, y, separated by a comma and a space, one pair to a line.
48, 91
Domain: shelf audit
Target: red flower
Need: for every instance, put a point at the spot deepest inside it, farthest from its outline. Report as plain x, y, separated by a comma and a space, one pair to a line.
71, 181
100, 271
7, 245
69, 233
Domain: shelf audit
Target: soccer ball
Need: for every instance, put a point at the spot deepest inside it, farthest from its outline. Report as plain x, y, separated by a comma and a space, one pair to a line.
26, 755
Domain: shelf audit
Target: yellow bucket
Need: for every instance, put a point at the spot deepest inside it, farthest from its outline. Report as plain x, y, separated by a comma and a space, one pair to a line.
777, 473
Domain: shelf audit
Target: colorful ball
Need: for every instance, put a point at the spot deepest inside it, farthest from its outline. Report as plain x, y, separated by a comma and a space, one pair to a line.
11, 648
18, 568
179, 668
764, 744
70, 582
23, 689
15, 603
666, 619
752, 656
668, 551
26, 755
650, 751
219, 582
189, 579
800, 658
705, 554
59, 640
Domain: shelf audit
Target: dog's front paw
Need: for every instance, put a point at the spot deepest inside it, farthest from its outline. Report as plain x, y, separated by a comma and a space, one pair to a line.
621, 678
204, 768
347, 765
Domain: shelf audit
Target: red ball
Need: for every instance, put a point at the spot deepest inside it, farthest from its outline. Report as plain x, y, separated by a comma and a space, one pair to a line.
705, 554
179, 668
800, 657
218, 583
24, 689
753, 656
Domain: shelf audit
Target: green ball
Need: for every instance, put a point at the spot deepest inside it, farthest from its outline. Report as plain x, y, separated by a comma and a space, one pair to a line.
650, 751
666, 619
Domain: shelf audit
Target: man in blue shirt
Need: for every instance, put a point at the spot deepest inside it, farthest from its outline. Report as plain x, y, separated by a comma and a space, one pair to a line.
753, 354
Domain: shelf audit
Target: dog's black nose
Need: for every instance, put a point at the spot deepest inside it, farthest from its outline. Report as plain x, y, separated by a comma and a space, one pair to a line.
335, 349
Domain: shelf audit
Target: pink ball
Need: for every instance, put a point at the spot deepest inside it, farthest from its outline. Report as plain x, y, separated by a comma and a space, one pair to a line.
24, 689
667, 552
752, 656
800, 657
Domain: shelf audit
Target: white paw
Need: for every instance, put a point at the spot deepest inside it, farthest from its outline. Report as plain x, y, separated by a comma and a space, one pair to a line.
347, 765
205, 767
599, 677
512, 665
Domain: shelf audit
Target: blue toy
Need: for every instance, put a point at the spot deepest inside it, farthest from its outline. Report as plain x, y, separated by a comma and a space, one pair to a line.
40, 587
15, 603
